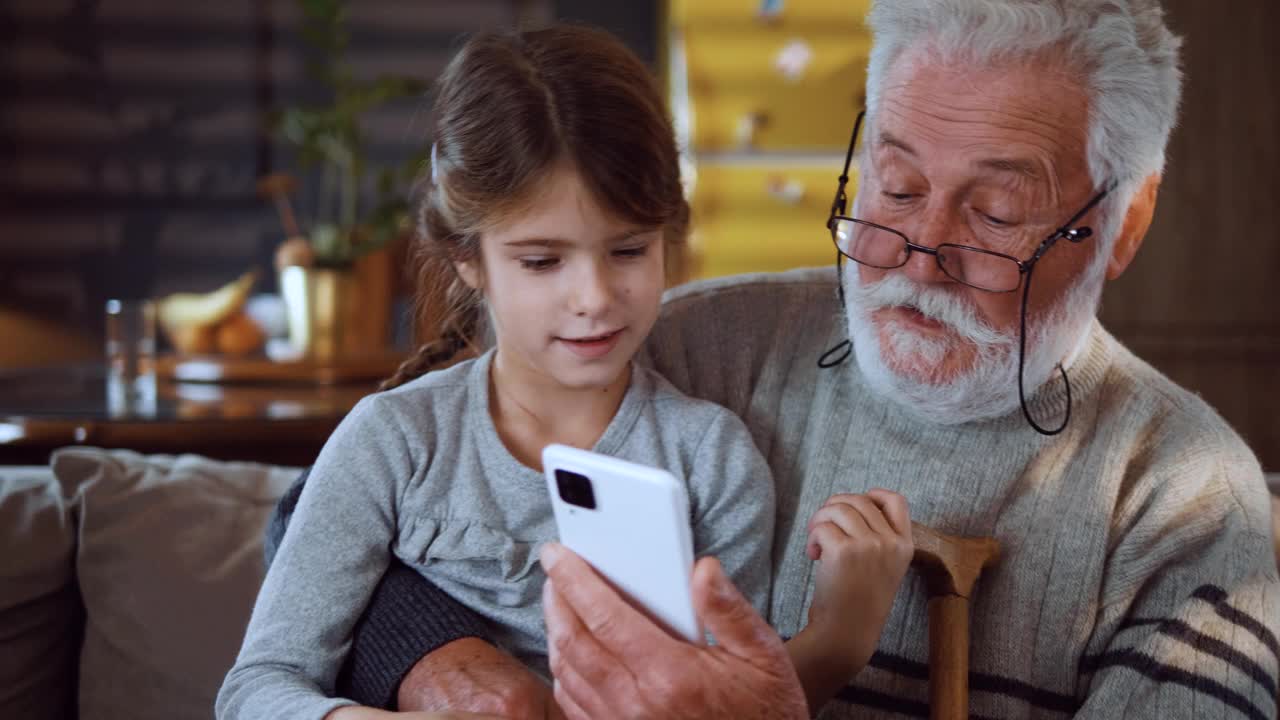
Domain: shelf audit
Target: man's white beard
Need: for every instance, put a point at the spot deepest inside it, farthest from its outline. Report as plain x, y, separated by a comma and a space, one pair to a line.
988, 388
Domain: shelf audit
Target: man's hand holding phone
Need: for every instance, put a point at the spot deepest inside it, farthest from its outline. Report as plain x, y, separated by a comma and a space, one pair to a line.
631, 523
610, 660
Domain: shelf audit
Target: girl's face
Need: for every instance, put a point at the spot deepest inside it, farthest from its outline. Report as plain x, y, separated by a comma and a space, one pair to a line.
572, 290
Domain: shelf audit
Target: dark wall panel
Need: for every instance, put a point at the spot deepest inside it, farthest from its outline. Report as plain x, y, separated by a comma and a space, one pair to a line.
131, 134
1200, 301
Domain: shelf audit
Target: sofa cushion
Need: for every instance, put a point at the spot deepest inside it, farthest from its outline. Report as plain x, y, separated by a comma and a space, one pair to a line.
39, 609
169, 560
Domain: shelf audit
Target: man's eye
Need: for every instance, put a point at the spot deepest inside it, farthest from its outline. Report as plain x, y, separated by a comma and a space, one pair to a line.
898, 197
538, 263
995, 221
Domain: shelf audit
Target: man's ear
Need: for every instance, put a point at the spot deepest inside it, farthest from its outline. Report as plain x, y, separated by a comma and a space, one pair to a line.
470, 274
1136, 222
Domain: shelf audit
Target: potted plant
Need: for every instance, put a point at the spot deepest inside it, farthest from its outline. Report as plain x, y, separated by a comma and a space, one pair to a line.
359, 209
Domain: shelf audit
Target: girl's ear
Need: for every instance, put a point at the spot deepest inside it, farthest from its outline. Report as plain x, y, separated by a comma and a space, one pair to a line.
470, 274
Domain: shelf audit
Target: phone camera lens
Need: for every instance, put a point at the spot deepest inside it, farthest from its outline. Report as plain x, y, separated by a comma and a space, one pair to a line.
576, 489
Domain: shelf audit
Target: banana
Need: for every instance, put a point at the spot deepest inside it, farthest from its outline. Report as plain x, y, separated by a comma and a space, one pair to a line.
193, 310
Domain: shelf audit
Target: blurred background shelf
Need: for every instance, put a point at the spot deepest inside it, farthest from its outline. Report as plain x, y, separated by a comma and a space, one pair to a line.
261, 369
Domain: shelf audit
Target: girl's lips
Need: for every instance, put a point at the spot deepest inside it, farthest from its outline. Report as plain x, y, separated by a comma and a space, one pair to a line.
594, 347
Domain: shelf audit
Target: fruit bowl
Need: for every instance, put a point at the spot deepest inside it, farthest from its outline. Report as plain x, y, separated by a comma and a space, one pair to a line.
206, 323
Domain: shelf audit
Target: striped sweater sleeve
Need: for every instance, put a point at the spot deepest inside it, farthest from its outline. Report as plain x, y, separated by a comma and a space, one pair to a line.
1191, 600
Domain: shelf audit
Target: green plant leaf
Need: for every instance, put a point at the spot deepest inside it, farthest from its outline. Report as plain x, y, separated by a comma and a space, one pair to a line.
330, 243
330, 135
418, 164
386, 182
386, 223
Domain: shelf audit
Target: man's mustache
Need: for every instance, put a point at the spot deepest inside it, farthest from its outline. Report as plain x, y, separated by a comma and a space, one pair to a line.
952, 310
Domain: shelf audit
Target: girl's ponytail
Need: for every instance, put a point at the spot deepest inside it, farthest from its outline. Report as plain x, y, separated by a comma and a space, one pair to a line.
448, 349
456, 328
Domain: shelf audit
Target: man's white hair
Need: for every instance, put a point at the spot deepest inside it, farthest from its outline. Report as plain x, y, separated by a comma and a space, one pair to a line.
1122, 52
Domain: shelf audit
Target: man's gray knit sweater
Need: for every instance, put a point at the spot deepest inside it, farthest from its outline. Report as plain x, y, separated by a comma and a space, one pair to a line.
1137, 577
420, 473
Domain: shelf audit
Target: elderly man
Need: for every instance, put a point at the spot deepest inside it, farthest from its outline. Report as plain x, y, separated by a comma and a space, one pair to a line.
1011, 158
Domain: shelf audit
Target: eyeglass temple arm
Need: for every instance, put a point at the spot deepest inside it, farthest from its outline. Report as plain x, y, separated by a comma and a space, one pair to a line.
838, 204
1073, 234
1066, 229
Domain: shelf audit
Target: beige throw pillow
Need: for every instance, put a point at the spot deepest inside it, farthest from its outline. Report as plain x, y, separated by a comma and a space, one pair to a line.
40, 616
169, 561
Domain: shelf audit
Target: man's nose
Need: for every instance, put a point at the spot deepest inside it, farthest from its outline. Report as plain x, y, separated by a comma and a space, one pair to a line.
937, 226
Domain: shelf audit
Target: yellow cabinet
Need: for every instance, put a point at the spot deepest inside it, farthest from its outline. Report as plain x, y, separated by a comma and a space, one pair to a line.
823, 14
764, 105
740, 100
763, 217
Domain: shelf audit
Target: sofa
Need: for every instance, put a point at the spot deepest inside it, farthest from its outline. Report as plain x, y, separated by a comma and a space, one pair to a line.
126, 581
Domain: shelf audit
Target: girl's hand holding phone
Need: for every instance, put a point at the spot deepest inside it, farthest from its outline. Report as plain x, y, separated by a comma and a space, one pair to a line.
862, 544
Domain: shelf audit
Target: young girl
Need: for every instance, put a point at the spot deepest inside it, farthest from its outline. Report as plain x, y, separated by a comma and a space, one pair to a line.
554, 188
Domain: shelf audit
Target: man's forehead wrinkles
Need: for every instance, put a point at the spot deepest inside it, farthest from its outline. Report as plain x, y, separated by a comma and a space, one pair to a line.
988, 119
1042, 141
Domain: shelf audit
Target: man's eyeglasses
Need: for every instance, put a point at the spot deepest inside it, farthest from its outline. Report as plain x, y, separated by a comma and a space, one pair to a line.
877, 246
874, 245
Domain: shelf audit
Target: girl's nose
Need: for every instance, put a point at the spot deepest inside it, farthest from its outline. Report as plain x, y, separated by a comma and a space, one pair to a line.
591, 295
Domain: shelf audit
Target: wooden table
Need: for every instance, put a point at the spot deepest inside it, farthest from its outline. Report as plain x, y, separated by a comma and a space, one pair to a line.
287, 423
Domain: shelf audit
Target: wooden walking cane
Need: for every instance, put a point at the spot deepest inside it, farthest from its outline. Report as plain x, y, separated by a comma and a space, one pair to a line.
950, 566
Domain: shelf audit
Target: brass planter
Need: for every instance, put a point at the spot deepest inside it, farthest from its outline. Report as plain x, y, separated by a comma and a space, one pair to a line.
321, 304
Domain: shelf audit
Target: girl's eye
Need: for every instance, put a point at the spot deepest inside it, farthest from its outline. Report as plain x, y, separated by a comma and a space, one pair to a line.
538, 263
635, 251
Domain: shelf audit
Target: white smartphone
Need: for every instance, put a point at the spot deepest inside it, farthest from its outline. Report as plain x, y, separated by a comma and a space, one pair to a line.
631, 522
